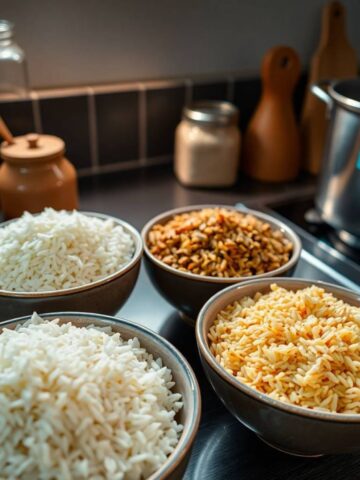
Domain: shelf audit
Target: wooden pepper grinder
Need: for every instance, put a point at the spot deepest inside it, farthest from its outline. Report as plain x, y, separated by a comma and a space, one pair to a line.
272, 142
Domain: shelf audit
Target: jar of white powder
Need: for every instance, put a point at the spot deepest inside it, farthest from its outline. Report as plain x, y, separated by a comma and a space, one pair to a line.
207, 145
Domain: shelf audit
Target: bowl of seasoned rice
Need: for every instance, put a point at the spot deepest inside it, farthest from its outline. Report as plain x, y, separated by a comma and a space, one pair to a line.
86, 395
60, 260
284, 357
193, 252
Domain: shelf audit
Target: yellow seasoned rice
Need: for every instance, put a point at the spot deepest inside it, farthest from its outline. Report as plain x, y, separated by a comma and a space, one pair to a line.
298, 347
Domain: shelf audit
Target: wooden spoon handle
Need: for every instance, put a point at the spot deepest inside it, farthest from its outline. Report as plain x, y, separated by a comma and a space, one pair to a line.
5, 132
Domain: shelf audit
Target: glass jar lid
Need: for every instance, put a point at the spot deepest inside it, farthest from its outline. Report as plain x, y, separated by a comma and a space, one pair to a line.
6, 29
212, 113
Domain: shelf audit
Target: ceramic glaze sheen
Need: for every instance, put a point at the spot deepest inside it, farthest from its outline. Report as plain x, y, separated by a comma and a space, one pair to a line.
271, 143
35, 175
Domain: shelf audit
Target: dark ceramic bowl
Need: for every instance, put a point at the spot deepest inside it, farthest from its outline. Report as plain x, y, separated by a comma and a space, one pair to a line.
188, 292
291, 429
183, 375
103, 296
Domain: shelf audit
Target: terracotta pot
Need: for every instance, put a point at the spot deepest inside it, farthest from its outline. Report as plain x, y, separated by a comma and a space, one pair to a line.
35, 174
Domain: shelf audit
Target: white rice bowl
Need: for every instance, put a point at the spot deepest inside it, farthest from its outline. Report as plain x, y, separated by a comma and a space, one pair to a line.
82, 403
57, 250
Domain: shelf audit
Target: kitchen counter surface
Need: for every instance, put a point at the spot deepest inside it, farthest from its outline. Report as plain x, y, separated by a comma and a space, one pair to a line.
224, 449
137, 196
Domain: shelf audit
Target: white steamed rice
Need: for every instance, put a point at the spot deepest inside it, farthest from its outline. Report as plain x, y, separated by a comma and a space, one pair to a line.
56, 250
82, 403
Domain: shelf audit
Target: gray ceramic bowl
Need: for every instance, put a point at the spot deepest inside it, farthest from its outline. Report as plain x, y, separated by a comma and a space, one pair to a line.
184, 377
103, 296
188, 292
289, 428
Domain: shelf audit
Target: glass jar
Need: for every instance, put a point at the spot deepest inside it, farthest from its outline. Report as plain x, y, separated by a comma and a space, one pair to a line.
207, 145
13, 68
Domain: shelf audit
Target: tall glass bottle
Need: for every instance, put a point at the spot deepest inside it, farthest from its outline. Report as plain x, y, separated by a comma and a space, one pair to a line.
14, 78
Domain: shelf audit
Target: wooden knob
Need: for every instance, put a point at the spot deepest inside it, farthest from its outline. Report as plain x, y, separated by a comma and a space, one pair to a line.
32, 140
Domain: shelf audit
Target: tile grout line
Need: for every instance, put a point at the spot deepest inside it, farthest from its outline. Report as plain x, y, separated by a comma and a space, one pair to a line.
188, 91
160, 83
35, 103
142, 125
230, 89
93, 133
128, 165
115, 167
142, 89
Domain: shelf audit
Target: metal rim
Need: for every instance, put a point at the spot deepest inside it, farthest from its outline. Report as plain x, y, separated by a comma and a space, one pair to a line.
211, 112
6, 27
346, 102
201, 339
290, 234
88, 286
188, 435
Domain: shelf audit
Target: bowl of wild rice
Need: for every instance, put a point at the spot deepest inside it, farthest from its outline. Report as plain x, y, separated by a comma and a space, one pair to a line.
85, 396
284, 357
60, 260
193, 252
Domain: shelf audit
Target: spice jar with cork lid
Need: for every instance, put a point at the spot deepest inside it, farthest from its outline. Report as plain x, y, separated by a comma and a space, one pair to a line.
35, 174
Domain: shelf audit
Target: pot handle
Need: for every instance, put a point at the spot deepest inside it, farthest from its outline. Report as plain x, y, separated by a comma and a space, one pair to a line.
320, 90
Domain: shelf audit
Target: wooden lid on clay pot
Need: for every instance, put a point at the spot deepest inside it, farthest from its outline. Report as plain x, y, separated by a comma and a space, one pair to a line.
32, 148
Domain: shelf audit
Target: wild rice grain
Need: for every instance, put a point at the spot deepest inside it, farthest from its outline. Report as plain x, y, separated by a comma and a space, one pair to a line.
220, 243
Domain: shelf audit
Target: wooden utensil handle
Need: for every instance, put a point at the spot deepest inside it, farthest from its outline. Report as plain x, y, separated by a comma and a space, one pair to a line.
333, 24
280, 71
5, 132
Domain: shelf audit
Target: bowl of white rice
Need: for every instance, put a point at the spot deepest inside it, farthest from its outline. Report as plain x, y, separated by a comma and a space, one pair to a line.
284, 357
60, 260
91, 396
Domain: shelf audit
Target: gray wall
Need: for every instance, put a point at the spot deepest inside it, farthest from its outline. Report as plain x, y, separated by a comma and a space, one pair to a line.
71, 42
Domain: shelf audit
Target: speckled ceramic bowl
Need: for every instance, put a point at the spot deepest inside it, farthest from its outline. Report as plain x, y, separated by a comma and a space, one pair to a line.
291, 429
188, 292
103, 296
184, 377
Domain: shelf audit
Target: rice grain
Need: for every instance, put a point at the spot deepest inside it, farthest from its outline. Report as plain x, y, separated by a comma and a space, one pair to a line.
82, 403
300, 347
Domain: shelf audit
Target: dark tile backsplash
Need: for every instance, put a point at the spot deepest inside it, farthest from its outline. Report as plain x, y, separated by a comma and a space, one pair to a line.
18, 116
299, 94
119, 126
163, 113
210, 91
117, 119
68, 118
246, 97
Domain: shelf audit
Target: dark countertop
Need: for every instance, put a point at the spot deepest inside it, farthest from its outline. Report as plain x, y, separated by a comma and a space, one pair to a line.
137, 196
224, 449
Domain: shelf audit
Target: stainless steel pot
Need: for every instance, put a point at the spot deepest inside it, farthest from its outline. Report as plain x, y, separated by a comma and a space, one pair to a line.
338, 198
